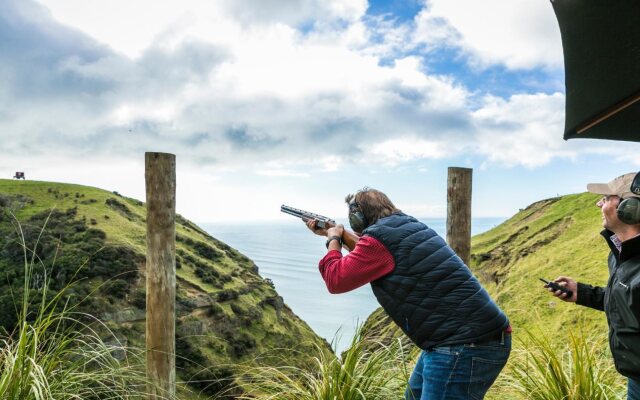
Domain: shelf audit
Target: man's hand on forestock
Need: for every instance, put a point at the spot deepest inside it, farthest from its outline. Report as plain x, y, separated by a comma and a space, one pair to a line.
312, 225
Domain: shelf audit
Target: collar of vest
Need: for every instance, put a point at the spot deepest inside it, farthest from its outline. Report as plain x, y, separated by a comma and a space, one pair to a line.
387, 218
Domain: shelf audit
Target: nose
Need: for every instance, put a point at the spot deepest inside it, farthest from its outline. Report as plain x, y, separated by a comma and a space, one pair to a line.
600, 202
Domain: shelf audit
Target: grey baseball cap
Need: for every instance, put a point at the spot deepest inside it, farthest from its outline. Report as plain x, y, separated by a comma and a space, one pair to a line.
620, 186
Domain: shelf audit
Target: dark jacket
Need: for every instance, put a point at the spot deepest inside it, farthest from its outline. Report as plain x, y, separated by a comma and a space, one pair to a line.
431, 294
620, 300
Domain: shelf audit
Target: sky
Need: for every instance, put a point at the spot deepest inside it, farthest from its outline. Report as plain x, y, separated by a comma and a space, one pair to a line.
297, 102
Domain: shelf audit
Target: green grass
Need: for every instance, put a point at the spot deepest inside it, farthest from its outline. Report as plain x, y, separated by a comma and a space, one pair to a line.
578, 368
117, 225
90, 203
368, 370
547, 239
61, 354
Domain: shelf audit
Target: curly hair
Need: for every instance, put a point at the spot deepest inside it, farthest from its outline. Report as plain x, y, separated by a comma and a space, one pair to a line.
373, 204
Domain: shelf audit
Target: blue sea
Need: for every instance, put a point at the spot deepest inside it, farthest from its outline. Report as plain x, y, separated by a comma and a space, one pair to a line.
288, 254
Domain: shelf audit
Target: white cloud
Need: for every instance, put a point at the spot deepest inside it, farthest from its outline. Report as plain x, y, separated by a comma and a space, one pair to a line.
275, 99
523, 130
424, 209
282, 172
236, 88
517, 33
130, 27
277, 168
395, 151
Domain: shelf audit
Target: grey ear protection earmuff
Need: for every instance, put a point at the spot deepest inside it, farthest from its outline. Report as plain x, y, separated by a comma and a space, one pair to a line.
357, 220
629, 209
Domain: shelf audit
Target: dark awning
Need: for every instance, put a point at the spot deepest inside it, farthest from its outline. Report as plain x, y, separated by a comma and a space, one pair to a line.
601, 45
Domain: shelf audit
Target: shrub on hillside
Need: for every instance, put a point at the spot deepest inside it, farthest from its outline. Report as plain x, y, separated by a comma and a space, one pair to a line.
225, 295
215, 310
192, 364
241, 344
139, 298
117, 288
70, 250
205, 251
206, 273
120, 208
237, 309
53, 355
8, 312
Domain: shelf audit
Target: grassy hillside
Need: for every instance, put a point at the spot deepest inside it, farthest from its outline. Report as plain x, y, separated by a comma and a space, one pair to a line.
559, 236
552, 237
227, 313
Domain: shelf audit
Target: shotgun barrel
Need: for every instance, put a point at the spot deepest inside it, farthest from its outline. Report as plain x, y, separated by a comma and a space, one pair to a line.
323, 222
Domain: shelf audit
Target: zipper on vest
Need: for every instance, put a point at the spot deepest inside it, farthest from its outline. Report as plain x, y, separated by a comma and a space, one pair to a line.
406, 324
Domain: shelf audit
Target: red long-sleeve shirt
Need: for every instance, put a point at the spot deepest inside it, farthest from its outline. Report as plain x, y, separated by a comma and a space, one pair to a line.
368, 261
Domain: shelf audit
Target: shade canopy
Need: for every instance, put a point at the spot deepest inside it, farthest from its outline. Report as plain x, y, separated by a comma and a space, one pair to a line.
601, 46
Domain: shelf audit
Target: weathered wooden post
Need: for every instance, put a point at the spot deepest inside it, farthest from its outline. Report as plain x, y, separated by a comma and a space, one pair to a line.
160, 176
459, 211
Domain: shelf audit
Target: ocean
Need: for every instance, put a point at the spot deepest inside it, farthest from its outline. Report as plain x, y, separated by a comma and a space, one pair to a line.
288, 253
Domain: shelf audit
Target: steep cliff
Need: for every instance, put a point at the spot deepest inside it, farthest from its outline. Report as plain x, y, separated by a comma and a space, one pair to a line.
227, 314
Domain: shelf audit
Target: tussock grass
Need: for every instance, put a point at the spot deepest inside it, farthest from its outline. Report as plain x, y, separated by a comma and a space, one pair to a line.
49, 359
55, 352
264, 317
368, 370
579, 368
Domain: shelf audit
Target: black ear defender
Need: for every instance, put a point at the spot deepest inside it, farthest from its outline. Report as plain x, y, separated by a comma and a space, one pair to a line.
629, 209
357, 220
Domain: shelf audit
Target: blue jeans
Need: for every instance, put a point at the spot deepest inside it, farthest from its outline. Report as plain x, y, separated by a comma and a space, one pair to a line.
456, 372
633, 389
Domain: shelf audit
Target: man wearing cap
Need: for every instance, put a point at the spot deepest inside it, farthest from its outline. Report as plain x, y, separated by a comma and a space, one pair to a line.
620, 299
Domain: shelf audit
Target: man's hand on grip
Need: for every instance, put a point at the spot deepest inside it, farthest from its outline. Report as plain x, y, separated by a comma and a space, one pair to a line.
337, 230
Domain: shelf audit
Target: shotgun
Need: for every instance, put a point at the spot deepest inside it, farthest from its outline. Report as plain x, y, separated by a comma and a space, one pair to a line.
323, 222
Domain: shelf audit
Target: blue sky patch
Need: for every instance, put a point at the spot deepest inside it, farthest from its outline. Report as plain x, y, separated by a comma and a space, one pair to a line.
403, 10
496, 79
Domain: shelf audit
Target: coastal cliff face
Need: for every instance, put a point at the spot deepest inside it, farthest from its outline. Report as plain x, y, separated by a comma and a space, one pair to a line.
95, 240
552, 237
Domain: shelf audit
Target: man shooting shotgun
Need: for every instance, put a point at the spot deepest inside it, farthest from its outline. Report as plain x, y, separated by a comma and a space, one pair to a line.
348, 239
425, 288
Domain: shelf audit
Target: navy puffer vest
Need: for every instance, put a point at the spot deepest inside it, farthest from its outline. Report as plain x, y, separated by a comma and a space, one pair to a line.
431, 294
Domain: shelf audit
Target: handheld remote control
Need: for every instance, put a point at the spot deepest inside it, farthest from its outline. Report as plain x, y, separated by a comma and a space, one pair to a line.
555, 286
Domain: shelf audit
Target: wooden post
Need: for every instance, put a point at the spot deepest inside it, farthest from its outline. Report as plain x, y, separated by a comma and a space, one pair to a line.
160, 177
459, 211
